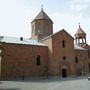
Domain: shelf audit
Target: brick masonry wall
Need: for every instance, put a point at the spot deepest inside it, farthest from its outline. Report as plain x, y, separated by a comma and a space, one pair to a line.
45, 27
82, 65
56, 53
59, 52
20, 60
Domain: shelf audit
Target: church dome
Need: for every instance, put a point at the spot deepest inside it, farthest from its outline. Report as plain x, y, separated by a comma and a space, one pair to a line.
42, 15
80, 31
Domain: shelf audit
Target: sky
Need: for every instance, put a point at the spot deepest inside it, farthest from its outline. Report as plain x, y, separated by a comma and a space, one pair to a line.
16, 16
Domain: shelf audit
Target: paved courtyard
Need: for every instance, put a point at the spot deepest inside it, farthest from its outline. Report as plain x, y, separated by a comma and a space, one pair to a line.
47, 84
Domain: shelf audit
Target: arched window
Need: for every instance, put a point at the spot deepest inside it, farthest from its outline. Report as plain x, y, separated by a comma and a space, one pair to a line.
89, 67
63, 43
46, 28
88, 53
76, 59
37, 28
64, 57
38, 60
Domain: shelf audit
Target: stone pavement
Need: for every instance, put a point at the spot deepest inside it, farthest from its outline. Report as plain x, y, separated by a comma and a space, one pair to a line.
47, 84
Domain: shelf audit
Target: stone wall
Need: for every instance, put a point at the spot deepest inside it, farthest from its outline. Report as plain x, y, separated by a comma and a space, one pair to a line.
82, 63
21, 60
57, 52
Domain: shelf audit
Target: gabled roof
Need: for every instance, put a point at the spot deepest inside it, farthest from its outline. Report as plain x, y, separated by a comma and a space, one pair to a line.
63, 30
86, 46
42, 15
80, 31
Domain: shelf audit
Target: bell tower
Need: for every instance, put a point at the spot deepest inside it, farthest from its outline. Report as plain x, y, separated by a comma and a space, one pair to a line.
42, 26
80, 37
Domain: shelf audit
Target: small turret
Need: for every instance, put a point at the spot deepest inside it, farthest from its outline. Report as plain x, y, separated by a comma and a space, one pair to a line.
80, 37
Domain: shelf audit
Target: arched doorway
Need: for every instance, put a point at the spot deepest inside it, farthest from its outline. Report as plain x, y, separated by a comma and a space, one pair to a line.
64, 72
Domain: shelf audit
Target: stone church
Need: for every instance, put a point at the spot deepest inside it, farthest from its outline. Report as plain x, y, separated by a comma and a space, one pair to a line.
45, 53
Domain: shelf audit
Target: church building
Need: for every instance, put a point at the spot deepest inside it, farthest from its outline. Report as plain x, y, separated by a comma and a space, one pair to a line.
45, 54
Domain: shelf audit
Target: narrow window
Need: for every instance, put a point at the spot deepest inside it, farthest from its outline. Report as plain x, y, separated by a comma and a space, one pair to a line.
76, 59
63, 43
46, 28
89, 67
88, 53
37, 29
64, 57
38, 60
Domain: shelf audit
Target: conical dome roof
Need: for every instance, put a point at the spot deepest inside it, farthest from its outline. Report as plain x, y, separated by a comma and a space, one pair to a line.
42, 15
80, 31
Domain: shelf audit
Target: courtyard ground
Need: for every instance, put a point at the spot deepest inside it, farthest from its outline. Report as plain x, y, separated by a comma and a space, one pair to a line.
80, 83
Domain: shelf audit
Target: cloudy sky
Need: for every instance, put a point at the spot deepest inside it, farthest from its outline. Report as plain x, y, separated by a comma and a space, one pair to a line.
16, 16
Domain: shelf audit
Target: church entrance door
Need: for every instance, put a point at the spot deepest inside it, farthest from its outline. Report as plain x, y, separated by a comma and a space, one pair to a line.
64, 72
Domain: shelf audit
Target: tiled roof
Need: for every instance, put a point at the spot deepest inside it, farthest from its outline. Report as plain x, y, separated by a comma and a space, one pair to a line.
80, 31
42, 15
18, 41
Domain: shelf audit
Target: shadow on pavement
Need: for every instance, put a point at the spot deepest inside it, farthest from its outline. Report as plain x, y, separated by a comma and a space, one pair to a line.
10, 89
0, 82
49, 79
45, 80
